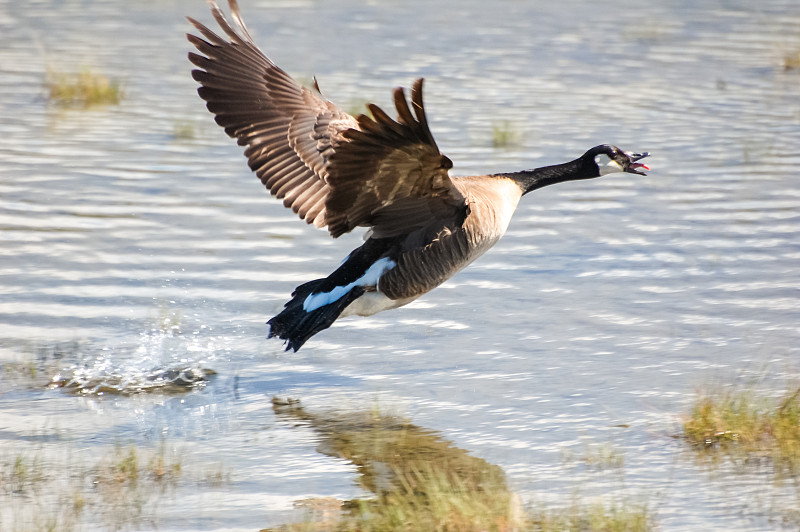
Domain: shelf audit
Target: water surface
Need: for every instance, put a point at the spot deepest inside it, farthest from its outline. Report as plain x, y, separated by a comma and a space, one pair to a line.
134, 239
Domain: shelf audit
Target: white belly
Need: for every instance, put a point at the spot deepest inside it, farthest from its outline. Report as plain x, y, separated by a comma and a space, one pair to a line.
372, 303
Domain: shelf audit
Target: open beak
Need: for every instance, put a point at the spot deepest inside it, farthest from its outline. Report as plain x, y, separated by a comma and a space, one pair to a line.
633, 165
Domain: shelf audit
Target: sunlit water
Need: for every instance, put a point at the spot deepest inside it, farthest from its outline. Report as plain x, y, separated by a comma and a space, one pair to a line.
129, 246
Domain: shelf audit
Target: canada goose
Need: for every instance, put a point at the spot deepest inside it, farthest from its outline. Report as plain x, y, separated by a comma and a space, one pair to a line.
341, 172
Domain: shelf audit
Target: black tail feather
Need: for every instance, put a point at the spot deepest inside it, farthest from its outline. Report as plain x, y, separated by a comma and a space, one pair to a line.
295, 325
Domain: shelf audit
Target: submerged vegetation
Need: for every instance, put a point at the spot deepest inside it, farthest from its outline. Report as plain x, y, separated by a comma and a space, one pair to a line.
597, 456
119, 489
422, 482
183, 130
749, 426
82, 89
35, 364
594, 517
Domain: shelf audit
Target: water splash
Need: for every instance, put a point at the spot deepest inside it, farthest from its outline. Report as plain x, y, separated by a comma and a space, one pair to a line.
163, 360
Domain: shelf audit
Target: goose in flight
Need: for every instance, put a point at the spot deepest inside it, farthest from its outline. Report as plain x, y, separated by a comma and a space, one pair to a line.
340, 172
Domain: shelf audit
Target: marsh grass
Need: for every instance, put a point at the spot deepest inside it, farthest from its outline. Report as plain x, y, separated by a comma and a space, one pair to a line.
427, 498
21, 371
748, 426
604, 457
432, 498
504, 135
121, 488
129, 483
791, 60
215, 476
597, 456
420, 481
183, 130
128, 465
437, 500
82, 89
35, 368
22, 475
596, 516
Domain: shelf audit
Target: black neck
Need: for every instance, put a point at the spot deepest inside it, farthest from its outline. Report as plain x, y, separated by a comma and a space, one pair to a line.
529, 180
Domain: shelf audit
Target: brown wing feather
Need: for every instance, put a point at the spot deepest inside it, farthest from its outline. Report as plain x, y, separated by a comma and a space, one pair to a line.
289, 130
386, 161
328, 167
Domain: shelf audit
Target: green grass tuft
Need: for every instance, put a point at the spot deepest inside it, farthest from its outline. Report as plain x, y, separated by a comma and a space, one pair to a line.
82, 89
23, 475
748, 425
504, 135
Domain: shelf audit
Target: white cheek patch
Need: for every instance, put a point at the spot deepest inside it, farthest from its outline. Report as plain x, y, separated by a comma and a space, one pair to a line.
370, 278
607, 165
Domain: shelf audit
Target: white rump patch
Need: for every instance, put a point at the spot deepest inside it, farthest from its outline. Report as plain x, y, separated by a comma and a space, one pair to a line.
370, 278
607, 165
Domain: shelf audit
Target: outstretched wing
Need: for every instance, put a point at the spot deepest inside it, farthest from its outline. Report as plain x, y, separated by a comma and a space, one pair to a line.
289, 130
390, 174
330, 168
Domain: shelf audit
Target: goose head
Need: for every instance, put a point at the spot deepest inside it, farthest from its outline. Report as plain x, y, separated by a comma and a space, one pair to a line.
608, 159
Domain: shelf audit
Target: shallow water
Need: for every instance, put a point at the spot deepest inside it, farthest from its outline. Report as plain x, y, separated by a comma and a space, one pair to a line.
134, 239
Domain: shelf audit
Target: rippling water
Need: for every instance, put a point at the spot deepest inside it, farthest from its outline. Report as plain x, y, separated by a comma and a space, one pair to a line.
133, 239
